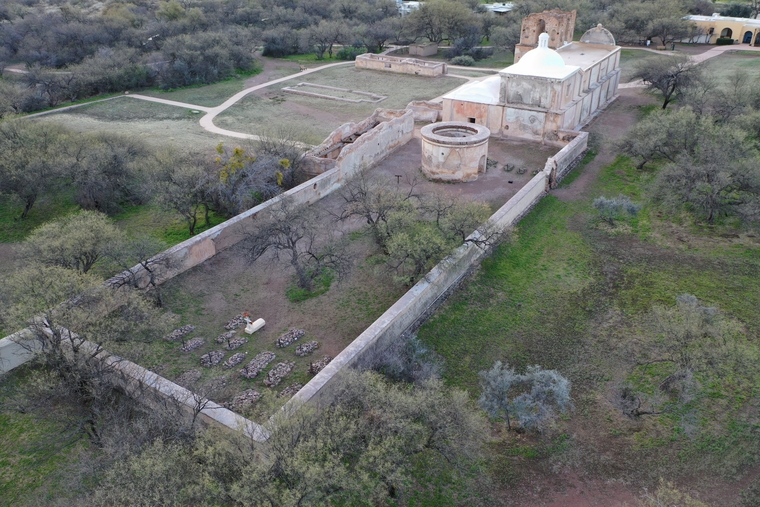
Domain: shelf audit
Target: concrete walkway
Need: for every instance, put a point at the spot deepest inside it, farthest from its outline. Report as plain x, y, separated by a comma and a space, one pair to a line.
167, 102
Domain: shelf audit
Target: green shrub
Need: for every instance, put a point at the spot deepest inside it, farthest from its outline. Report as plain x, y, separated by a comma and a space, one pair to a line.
724, 41
466, 61
349, 52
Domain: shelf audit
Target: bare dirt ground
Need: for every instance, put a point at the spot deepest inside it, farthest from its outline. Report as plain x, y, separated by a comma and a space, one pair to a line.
611, 125
210, 294
495, 187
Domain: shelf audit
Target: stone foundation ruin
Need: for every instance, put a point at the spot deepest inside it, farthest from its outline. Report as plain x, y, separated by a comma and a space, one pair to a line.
400, 65
454, 150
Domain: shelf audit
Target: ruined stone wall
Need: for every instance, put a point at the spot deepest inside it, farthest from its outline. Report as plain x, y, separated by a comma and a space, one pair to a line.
425, 111
378, 136
400, 65
558, 24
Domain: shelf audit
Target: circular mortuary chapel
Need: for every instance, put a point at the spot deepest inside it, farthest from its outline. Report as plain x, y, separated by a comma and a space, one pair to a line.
454, 151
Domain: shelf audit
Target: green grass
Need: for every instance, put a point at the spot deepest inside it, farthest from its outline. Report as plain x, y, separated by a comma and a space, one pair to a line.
322, 284
34, 451
568, 294
205, 95
727, 64
629, 58
311, 58
13, 228
157, 125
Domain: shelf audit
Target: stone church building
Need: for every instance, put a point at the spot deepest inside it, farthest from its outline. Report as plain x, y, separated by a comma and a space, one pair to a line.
548, 91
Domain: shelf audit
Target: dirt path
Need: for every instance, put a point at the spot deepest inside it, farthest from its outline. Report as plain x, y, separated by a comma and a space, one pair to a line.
608, 127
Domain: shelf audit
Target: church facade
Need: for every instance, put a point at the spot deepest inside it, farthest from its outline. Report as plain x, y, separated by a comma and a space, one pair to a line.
547, 91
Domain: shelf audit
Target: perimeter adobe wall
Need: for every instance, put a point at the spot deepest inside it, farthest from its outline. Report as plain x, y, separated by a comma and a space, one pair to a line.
400, 65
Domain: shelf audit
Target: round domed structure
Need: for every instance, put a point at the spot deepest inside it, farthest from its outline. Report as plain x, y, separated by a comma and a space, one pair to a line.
598, 35
542, 57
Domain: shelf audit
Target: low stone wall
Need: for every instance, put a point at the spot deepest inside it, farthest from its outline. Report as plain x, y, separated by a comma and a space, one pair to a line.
418, 301
564, 160
400, 65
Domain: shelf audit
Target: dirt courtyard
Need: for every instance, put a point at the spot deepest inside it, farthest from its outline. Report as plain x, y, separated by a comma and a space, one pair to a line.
212, 293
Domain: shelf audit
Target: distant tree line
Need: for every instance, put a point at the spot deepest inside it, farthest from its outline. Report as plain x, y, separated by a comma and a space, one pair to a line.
72, 52
107, 173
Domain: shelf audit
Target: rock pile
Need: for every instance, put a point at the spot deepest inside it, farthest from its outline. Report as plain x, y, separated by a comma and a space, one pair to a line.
193, 344
188, 378
289, 391
236, 322
212, 358
257, 364
315, 368
289, 337
234, 360
236, 343
247, 397
225, 337
180, 333
307, 348
277, 373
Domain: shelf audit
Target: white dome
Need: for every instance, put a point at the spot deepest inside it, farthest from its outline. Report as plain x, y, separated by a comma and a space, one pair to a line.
541, 57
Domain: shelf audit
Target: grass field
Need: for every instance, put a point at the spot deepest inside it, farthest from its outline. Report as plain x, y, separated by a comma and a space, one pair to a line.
214, 94
314, 118
156, 124
570, 295
629, 58
727, 64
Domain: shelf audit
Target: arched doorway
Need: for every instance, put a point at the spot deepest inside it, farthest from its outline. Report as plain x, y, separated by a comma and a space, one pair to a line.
727, 32
757, 39
747, 38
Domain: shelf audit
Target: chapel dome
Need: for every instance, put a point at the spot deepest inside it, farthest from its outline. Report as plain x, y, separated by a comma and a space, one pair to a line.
598, 35
541, 57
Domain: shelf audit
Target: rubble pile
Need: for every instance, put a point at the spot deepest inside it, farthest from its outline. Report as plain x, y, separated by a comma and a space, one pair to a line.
236, 343
225, 337
180, 333
289, 391
193, 344
257, 364
307, 348
188, 378
277, 373
315, 368
289, 337
235, 359
212, 358
247, 397
236, 322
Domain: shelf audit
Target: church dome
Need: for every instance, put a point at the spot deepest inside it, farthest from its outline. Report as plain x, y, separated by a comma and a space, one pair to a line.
541, 57
598, 35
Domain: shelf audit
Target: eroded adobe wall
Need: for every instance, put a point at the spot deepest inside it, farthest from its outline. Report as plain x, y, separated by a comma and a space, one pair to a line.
400, 65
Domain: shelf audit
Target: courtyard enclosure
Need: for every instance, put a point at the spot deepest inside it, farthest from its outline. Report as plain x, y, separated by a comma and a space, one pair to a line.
422, 299
405, 314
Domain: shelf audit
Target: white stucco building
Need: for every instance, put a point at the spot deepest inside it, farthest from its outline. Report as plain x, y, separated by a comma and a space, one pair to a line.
546, 92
